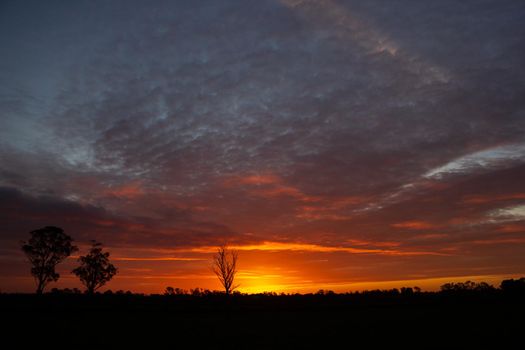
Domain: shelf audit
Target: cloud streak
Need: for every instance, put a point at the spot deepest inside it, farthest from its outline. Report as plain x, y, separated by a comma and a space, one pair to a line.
280, 246
485, 160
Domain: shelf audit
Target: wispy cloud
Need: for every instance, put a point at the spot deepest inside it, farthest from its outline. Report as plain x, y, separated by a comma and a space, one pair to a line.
514, 213
485, 160
280, 246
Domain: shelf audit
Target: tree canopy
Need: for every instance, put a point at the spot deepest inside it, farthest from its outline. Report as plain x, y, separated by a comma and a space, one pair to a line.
95, 269
47, 247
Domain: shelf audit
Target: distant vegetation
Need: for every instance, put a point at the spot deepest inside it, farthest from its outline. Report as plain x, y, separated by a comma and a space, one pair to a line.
509, 287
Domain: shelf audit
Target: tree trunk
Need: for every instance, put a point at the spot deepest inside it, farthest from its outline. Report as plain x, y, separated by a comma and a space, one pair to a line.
40, 287
90, 290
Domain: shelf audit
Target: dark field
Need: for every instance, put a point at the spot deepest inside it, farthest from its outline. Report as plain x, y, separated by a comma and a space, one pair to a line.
423, 320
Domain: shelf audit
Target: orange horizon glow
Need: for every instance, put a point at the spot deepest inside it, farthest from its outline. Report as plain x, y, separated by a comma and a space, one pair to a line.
266, 267
257, 282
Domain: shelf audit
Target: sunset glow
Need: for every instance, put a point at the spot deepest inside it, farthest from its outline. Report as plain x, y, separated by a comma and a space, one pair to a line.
336, 145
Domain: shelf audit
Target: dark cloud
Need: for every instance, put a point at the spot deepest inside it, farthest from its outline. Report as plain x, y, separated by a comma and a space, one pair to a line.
173, 227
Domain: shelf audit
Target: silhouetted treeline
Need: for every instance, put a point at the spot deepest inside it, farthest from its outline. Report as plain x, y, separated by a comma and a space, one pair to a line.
467, 314
202, 299
510, 287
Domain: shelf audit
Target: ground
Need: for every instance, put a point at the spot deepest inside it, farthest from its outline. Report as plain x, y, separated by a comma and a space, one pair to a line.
423, 320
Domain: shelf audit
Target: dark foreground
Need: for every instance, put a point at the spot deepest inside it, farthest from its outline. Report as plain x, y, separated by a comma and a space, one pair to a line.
419, 320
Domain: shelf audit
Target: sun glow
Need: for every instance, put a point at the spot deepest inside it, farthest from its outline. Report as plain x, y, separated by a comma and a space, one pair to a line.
250, 281
270, 283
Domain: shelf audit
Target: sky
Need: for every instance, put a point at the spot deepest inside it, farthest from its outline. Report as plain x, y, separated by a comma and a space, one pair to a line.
340, 145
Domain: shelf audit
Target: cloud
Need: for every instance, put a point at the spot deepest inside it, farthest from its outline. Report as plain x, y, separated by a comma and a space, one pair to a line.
280, 246
22, 213
128, 191
489, 159
350, 26
482, 199
414, 225
514, 213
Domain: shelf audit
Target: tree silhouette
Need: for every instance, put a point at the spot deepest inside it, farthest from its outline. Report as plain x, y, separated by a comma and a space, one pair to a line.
513, 286
95, 269
46, 248
468, 286
225, 267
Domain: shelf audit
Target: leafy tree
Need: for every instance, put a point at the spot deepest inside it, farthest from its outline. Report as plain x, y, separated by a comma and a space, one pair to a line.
175, 291
513, 286
225, 267
196, 292
468, 286
407, 291
95, 270
46, 248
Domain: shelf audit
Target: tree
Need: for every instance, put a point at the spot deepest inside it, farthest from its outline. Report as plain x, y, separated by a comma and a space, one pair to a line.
175, 291
95, 270
225, 267
46, 248
513, 286
468, 286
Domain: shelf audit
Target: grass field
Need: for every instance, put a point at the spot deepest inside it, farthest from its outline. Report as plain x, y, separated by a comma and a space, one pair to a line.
423, 320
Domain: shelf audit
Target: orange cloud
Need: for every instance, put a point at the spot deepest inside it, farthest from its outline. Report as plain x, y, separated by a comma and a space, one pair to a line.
281, 246
360, 242
327, 208
459, 221
127, 191
414, 225
511, 228
165, 258
311, 215
481, 199
500, 241
268, 186
259, 179
106, 223
271, 187
283, 190
255, 180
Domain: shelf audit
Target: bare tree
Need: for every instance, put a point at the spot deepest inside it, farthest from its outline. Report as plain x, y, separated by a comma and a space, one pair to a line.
95, 269
225, 267
46, 248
